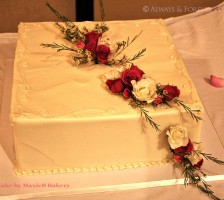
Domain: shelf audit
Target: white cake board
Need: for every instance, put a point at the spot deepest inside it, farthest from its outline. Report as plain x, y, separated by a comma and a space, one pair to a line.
159, 182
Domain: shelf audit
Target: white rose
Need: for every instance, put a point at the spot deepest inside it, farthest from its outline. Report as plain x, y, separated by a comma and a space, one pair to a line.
194, 158
144, 90
112, 75
177, 136
120, 68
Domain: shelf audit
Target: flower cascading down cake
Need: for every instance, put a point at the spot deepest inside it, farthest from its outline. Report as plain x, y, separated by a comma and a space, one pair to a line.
112, 110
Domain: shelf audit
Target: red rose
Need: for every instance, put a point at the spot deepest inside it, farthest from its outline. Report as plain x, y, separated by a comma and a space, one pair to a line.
92, 40
116, 86
184, 149
157, 100
80, 44
126, 93
102, 53
134, 73
178, 158
170, 92
199, 164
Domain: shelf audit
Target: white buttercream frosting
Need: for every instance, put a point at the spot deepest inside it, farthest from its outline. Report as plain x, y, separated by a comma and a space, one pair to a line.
65, 117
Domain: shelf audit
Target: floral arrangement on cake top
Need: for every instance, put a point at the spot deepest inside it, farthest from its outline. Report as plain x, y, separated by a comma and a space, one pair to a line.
91, 46
132, 83
190, 158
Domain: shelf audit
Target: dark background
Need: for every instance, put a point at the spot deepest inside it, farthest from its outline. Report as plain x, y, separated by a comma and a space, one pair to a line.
14, 11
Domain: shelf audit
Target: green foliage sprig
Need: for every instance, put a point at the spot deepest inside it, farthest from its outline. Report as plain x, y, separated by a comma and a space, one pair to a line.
139, 104
74, 34
194, 176
61, 47
188, 110
121, 46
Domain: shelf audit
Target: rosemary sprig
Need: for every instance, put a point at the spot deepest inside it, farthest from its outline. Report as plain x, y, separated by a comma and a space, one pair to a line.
62, 18
189, 173
188, 109
58, 47
149, 119
121, 46
70, 30
213, 159
136, 56
205, 189
192, 176
62, 28
138, 104
102, 12
124, 60
103, 27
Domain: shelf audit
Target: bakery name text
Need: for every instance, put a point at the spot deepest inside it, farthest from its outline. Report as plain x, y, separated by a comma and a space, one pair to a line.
34, 185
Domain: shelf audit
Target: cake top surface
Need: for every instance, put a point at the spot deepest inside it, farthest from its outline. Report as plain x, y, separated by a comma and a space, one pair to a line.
47, 85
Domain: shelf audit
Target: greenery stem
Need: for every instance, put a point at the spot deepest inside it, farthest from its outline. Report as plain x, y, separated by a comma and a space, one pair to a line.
127, 44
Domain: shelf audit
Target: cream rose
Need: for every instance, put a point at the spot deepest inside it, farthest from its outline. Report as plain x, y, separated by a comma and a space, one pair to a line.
144, 90
111, 75
177, 136
194, 158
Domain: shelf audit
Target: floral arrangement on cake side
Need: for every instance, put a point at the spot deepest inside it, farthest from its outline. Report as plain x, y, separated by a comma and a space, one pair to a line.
91, 46
132, 83
190, 157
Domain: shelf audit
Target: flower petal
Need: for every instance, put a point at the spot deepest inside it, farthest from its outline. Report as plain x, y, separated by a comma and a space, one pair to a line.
216, 81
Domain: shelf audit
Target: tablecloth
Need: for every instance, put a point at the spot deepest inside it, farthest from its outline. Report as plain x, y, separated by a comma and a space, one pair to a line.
199, 39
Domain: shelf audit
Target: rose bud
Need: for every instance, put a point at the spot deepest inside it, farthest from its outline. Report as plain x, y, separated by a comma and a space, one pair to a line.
80, 44
185, 149
134, 73
126, 93
91, 41
170, 92
116, 86
102, 53
178, 158
199, 164
157, 100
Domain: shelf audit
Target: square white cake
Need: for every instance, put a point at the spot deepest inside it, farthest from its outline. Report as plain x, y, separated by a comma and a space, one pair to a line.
64, 119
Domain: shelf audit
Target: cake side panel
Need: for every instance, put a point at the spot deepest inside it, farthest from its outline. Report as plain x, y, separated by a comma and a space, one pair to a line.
18, 86
82, 144
100, 144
